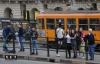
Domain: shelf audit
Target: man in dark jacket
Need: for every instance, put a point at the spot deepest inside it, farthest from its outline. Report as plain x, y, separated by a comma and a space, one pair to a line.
20, 35
7, 31
34, 35
91, 44
8, 35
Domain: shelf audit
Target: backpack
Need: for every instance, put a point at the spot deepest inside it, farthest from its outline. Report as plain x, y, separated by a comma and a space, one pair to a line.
24, 32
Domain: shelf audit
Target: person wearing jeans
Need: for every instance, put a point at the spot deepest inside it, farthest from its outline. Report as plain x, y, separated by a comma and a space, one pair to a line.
21, 44
91, 44
20, 35
59, 38
34, 36
73, 43
35, 45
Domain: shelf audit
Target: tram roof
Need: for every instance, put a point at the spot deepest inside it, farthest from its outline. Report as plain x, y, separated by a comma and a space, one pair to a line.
73, 15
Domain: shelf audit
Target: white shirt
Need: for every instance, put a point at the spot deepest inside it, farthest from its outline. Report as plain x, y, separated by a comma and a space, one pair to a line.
60, 32
68, 40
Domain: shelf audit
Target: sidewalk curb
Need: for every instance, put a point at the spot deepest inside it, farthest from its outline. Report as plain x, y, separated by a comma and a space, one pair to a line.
49, 59
15, 41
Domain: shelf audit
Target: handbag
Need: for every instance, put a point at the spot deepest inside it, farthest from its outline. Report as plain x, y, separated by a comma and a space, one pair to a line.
82, 47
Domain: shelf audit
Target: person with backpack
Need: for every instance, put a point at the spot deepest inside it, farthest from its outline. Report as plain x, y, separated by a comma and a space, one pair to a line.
20, 35
59, 38
34, 36
8, 35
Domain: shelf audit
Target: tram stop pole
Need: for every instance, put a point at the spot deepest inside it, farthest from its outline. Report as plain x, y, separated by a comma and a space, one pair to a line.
14, 51
27, 18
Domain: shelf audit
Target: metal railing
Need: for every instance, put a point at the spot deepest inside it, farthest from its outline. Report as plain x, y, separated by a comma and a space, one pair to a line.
48, 48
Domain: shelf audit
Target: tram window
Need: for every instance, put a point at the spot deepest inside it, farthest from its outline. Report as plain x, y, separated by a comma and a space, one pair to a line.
43, 23
62, 22
83, 23
50, 24
71, 23
95, 24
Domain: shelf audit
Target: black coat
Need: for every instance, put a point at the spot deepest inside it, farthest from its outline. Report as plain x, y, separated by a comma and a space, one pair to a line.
90, 38
35, 34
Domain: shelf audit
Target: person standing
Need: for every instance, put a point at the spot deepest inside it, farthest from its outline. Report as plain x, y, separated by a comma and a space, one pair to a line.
68, 42
82, 46
34, 35
8, 35
17, 38
78, 39
59, 37
20, 35
91, 44
73, 43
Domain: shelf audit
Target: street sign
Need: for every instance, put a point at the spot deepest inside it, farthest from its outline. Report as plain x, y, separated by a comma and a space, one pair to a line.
5, 20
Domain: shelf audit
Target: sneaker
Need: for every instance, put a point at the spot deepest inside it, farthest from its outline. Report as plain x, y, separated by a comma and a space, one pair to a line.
83, 57
58, 55
32, 53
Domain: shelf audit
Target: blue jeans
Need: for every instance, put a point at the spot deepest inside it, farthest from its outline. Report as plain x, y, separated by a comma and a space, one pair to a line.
74, 47
21, 43
57, 45
91, 49
35, 45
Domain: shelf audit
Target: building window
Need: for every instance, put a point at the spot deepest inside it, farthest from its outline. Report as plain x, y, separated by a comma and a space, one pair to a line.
71, 23
45, 6
95, 24
23, 7
67, 4
83, 23
50, 24
94, 6
60, 20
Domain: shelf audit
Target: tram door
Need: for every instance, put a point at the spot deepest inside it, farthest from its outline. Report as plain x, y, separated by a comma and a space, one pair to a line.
41, 28
50, 28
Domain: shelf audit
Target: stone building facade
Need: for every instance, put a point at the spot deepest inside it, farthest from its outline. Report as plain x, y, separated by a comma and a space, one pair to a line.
14, 8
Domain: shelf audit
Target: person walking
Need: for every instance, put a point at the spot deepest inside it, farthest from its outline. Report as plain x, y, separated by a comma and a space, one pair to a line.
73, 43
34, 36
59, 37
91, 44
20, 35
68, 42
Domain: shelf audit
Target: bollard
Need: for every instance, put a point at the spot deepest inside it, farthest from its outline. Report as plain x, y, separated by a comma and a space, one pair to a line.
30, 46
14, 45
48, 55
66, 47
86, 50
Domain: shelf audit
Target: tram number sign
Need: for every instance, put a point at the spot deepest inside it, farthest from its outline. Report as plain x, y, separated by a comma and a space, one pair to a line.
10, 57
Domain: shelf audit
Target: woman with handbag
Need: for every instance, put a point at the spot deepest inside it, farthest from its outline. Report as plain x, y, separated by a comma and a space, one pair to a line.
82, 46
